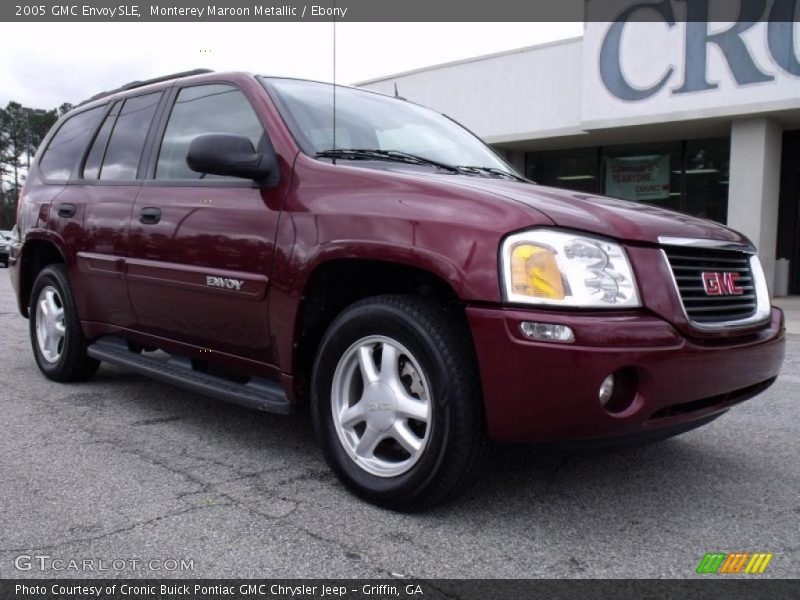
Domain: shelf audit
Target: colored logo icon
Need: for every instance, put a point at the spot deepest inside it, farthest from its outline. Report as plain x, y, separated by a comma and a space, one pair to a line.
740, 562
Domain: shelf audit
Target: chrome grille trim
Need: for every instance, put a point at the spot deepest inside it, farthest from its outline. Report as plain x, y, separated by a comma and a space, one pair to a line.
711, 244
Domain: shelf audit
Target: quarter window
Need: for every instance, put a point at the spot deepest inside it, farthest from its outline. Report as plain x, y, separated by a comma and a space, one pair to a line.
201, 110
68, 144
91, 169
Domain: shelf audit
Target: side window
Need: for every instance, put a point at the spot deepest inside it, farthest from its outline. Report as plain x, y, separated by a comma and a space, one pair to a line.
91, 169
199, 110
68, 144
128, 135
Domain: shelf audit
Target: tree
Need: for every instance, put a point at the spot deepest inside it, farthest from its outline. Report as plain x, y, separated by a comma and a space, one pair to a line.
14, 131
22, 129
3, 151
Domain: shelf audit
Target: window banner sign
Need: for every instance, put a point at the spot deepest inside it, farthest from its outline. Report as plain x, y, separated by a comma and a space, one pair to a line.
638, 177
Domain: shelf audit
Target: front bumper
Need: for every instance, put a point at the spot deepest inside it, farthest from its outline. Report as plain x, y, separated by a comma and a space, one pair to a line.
548, 391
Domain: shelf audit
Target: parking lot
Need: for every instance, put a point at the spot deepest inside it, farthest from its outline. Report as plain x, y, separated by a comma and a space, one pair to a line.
126, 468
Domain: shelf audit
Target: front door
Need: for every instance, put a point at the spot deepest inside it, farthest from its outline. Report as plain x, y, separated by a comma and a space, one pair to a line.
201, 246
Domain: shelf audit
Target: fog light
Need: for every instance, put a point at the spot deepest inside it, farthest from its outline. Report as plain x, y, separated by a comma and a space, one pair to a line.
606, 390
547, 331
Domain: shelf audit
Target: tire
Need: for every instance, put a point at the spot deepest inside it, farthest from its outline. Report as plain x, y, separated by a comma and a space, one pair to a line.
432, 373
55, 330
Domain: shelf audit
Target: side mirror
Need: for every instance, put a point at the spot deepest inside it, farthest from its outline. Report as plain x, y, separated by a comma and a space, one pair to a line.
231, 155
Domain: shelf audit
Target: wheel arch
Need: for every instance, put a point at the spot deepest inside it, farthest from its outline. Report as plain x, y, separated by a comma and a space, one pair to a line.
335, 284
35, 255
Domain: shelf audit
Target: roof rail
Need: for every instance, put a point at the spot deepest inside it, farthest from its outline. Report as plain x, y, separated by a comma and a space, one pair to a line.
136, 84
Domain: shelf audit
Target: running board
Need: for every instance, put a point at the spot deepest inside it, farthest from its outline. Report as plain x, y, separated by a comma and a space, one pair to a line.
258, 393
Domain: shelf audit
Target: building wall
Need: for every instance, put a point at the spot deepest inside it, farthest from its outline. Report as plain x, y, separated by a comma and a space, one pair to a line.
527, 94
755, 185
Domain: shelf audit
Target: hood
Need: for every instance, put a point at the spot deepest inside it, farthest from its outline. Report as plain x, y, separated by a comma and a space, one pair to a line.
610, 217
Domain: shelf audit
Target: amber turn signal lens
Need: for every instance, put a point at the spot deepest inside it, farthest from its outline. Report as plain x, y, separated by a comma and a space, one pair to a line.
534, 272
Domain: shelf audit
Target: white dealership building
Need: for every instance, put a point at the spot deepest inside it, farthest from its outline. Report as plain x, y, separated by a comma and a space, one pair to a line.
703, 118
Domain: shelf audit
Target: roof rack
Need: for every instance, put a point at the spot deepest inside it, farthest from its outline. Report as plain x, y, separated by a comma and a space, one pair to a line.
136, 84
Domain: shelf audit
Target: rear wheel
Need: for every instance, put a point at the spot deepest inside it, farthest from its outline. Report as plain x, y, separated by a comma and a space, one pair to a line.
58, 342
397, 404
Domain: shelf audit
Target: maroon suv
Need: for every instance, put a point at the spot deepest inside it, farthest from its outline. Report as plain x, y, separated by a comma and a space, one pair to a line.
384, 265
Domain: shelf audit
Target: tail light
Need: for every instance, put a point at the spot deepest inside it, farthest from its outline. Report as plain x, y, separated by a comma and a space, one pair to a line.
20, 200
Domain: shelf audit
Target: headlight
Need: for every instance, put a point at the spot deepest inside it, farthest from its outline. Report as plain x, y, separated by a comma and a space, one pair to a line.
566, 269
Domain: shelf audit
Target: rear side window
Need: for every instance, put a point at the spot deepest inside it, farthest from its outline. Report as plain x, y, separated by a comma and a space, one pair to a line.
91, 169
199, 110
121, 160
68, 144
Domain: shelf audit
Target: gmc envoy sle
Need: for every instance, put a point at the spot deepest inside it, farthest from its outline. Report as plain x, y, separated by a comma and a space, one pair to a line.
392, 272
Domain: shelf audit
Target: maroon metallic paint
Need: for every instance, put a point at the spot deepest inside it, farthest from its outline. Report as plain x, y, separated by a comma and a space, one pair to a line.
225, 232
540, 391
147, 282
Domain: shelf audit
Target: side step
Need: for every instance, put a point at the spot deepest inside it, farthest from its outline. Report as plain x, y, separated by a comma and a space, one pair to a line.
260, 394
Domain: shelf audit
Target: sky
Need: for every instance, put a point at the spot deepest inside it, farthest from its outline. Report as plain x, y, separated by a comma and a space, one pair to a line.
43, 65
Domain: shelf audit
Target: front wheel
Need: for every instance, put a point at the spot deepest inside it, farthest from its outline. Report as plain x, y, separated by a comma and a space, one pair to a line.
396, 402
58, 343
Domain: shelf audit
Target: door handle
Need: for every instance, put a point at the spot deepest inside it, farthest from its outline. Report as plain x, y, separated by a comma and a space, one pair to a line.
150, 215
66, 210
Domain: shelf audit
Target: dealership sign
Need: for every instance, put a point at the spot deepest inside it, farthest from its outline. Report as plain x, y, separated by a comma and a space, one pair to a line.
638, 177
664, 59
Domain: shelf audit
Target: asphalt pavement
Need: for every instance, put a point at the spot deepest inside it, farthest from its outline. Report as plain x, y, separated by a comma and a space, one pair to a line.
122, 468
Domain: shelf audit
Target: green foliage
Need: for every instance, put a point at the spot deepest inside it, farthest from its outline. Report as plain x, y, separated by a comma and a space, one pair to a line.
22, 129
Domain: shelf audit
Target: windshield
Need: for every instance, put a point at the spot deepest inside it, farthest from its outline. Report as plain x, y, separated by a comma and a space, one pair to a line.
369, 121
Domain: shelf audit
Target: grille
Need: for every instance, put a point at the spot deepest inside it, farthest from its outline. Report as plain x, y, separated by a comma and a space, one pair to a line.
689, 263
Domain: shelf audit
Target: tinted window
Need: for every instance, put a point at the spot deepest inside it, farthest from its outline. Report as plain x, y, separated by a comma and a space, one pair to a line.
68, 144
366, 120
128, 136
571, 169
91, 169
199, 110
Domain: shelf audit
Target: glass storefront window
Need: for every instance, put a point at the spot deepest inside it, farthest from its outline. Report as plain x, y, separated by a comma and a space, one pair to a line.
707, 172
689, 176
569, 169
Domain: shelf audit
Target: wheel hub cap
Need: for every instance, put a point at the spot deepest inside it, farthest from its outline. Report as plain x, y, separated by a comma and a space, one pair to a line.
381, 406
50, 326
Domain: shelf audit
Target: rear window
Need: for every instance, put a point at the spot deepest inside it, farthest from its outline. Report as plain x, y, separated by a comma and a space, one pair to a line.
121, 161
91, 169
68, 144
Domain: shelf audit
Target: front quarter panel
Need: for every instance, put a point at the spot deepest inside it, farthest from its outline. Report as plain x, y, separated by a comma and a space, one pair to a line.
346, 211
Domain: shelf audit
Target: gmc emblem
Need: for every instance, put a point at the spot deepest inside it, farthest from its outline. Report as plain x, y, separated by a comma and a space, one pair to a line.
721, 284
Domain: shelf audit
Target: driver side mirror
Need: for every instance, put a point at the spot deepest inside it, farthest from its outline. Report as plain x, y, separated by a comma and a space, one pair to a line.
231, 155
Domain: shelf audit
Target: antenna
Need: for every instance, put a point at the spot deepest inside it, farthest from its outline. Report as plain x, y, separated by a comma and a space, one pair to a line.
396, 95
334, 82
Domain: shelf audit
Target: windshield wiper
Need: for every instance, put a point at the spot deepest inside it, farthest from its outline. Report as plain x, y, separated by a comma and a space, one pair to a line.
414, 159
493, 171
391, 155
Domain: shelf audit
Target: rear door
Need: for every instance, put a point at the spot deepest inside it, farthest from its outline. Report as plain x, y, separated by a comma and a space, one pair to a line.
201, 246
92, 214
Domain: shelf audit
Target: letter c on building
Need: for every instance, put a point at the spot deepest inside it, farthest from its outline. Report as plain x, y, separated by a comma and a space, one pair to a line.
610, 64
